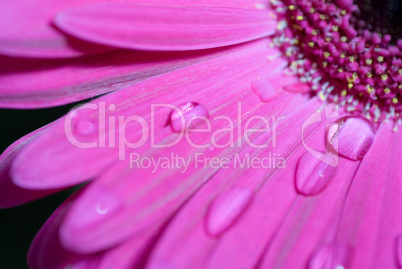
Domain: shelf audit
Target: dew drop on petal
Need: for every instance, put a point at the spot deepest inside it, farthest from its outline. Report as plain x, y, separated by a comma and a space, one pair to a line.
226, 209
102, 208
264, 89
313, 174
351, 137
85, 127
331, 256
95, 207
297, 87
187, 115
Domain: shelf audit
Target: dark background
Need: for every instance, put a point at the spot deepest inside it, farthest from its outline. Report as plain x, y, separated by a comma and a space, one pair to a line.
19, 225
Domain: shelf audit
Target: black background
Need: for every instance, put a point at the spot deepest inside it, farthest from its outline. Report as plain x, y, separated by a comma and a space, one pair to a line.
19, 225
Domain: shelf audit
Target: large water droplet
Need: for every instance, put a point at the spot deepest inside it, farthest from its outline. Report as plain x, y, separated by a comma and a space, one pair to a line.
312, 174
226, 209
188, 115
351, 137
331, 256
264, 89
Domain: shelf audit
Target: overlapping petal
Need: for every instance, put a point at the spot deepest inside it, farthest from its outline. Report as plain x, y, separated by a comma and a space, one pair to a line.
160, 27
28, 29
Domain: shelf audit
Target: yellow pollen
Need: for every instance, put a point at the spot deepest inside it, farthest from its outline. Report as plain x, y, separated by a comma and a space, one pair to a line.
321, 96
370, 89
299, 18
340, 70
400, 71
335, 28
387, 90
342, 55
322, 17
344, 92
328, 39
380, 59
343, 12
292, 7
369, 61
311, 44
325, 64
314, 32
384, 77
394, 100
351, 59
369, 75
344, 39
355, 76
350, 85
312, 10
327, 54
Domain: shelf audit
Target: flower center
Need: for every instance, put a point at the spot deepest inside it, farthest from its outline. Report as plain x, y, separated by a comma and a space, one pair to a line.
381, 16
335, 48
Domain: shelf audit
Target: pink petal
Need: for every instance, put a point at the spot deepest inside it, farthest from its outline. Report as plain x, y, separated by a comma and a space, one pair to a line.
70, 164
27, 28
31, 83
311, 223
372, 220
46, 251
162, 27
133, 253
10, 194
308, 235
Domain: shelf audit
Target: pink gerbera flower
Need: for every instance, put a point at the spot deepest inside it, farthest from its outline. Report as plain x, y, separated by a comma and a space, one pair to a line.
226, 134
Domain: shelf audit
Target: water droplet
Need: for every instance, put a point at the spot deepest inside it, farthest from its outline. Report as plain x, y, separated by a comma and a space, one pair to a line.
85, 127
96, 204
331, 256
398, 252
313, 174
226, 209
351, 137
264, 89
297, 87
102, 208
188, 115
